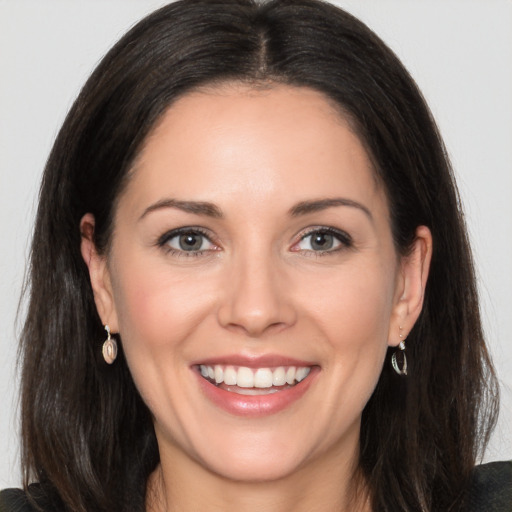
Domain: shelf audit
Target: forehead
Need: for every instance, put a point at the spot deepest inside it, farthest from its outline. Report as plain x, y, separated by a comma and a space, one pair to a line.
232, 141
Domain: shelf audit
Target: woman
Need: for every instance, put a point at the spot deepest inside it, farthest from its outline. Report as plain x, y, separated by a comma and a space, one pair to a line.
250, 280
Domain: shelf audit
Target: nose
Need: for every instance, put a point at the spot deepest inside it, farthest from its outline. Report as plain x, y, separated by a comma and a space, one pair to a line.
256, 297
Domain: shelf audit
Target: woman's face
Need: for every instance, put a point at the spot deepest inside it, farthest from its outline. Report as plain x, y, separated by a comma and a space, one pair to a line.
254, 282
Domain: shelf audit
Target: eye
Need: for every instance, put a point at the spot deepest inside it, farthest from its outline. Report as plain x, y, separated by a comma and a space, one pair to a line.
187, 240
323, 240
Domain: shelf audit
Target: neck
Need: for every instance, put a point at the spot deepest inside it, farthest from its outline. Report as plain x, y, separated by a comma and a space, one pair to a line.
330, 484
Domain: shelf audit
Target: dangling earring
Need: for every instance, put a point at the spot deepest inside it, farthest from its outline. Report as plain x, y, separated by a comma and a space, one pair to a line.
109, 349
401, 354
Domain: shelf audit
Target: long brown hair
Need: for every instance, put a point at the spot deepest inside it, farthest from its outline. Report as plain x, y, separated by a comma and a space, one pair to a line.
87, 436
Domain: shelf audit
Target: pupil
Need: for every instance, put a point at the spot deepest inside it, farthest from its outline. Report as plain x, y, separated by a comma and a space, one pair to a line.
322, 241
190, 242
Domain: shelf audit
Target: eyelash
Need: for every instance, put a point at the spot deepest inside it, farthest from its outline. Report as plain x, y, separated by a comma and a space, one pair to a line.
163, 241
342, 237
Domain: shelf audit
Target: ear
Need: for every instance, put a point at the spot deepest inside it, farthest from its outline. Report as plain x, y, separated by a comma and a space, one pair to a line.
410, 289
98, 274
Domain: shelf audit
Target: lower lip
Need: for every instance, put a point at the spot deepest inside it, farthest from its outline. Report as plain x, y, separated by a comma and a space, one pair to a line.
256, 405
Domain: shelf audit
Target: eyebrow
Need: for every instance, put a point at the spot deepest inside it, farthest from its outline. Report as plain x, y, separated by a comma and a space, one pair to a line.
305, 207
211, 210
195, 207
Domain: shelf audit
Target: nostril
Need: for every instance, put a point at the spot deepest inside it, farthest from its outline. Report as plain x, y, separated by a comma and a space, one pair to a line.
255, 327
255, 301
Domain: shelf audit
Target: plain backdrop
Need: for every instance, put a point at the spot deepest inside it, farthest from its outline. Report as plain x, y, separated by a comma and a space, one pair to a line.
459, 51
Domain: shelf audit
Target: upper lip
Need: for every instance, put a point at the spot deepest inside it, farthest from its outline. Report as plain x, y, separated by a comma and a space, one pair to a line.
254, 361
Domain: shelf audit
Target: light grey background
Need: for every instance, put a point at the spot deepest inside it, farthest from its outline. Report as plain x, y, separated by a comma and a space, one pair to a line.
459, 51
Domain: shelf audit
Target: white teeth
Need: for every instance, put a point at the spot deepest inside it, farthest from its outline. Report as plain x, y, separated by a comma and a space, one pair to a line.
261, 378
256, 391
219, 374
290, 375
245, 377
279, 376
229, 376
301, 374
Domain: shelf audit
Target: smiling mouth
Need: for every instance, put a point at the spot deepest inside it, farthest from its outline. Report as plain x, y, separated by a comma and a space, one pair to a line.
253, 381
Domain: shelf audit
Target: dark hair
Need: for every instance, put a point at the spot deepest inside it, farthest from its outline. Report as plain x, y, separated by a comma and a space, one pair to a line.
87, 436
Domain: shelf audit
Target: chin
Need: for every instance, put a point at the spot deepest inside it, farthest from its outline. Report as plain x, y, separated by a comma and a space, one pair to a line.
253, 470
256, 458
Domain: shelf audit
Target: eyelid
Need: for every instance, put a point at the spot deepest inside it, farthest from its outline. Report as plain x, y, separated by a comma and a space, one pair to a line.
342, 236
165, 237
163, 240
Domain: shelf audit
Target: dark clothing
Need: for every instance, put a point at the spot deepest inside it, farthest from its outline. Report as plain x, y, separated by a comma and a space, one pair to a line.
491, 488
15, 500
490, 491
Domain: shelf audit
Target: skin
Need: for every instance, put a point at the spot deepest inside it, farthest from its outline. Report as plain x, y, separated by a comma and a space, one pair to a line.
258, 287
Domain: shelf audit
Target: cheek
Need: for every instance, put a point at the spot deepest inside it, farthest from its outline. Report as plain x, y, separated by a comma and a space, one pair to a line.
157, 312
352, 313
157, 308
353, 306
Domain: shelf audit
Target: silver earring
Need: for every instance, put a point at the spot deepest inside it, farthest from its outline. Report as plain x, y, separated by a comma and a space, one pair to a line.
401, 355
109, 349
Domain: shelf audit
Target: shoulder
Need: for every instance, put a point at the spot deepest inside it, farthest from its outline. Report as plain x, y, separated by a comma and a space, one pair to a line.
491, 488
17, 500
